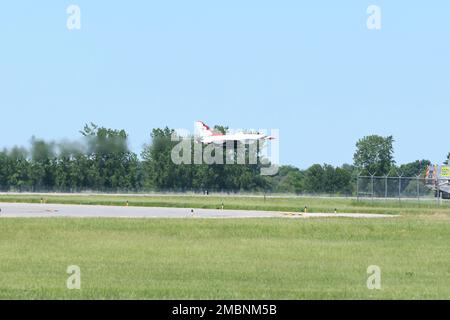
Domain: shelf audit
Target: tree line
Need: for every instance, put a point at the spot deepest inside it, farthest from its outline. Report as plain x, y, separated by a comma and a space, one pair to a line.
102, 161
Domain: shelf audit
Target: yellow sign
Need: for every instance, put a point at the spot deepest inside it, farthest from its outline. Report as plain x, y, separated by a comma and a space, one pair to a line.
445, 172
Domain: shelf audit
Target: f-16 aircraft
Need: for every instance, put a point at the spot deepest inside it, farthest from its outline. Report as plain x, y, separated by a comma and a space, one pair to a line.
438, 180
206, 135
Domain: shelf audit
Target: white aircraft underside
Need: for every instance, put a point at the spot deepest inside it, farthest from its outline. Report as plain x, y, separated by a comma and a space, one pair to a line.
207, 136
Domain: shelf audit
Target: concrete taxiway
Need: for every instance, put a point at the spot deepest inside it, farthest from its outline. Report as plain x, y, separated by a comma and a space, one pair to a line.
23, 210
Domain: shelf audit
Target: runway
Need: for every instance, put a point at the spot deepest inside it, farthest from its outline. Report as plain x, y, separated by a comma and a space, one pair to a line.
23, 210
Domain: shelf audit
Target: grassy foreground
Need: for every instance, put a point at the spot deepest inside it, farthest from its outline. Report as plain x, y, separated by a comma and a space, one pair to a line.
225, 259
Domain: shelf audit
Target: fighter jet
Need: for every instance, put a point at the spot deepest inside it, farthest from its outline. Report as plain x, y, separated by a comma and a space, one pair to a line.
206, 135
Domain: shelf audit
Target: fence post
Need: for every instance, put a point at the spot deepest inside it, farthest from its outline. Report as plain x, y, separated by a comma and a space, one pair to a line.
418, 189
438, 191
373, 190
357, 188
386, 187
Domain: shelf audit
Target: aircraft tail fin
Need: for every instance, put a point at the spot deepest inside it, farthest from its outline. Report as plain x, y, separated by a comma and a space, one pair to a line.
203, 130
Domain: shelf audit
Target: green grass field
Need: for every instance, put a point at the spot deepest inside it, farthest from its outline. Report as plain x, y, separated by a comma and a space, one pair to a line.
229, 259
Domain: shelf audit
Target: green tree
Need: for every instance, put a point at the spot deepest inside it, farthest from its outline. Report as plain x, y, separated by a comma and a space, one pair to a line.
111, 166
288, 180
413, 169
42, 173
17, 170
159, 170
314, 179
374, 155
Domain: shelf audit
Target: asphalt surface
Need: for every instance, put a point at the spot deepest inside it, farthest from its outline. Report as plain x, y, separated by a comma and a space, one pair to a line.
22, 210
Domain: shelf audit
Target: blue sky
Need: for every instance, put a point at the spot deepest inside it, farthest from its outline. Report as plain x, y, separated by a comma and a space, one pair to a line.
311, 69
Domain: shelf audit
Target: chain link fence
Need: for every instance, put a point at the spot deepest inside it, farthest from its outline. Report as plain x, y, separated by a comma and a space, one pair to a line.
402, 188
